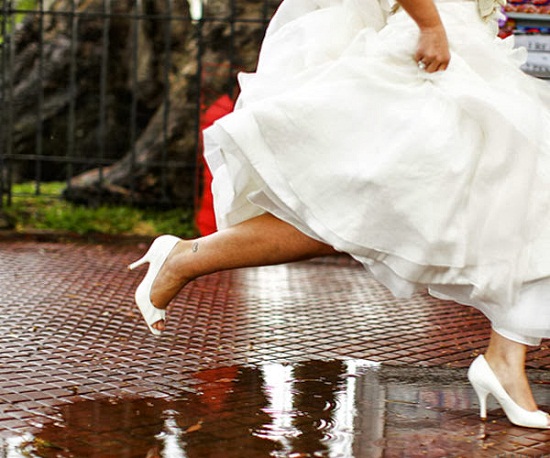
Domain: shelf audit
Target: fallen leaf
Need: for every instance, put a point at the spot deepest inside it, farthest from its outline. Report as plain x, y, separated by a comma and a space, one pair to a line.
194, 427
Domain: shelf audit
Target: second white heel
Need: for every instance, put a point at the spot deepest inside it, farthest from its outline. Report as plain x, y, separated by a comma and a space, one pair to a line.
139, 262
155, 256
482, 395
485, 382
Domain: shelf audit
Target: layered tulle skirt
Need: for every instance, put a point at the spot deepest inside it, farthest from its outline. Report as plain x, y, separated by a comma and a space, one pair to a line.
433, 181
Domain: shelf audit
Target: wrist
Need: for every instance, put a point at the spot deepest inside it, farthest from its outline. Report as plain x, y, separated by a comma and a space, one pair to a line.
436, 27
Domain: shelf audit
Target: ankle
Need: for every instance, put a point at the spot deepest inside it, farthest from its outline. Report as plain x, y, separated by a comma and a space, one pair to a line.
507, 368
180, 264
510, 372
173, 275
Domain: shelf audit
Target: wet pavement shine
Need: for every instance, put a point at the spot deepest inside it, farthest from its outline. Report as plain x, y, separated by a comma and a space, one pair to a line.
310, 359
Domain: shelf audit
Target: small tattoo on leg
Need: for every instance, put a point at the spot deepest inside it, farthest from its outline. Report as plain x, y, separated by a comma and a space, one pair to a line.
195, 247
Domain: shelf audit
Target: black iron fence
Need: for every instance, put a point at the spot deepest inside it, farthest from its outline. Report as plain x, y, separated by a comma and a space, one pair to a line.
108, 96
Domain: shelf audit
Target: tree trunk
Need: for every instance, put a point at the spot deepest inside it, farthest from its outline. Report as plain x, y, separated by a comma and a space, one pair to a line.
170, 136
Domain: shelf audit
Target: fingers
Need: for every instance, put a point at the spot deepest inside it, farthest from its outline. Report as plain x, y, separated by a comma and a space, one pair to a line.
432, 62
432, 52
432, 66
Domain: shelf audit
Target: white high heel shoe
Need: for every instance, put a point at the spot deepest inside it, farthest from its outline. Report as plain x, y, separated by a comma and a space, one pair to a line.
485, 382
155, 256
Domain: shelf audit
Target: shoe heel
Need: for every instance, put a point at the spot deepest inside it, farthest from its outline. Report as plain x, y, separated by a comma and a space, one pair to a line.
138, 263
482, 394
156, 256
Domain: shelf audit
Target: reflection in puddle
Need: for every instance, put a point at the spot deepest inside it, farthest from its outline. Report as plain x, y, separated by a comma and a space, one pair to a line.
323, 402
310, 409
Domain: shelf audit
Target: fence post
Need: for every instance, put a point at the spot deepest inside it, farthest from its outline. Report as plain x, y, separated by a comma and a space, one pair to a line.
6, 87
70, 134
2, 100
197, 186
166, 102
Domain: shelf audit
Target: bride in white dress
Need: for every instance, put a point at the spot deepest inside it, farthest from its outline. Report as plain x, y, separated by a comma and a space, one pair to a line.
406, 136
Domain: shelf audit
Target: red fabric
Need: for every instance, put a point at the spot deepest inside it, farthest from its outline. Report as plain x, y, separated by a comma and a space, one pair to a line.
205, 219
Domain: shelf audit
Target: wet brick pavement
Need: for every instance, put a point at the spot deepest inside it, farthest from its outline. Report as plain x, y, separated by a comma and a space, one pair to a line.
310, 359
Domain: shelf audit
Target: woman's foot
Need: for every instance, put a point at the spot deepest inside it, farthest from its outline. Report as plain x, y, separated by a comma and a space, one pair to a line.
506, 358
485, 383
171, 277
501, 372
155, 256
514, 381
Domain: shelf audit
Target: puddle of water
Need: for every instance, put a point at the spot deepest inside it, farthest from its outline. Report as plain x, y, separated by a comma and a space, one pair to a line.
348, 409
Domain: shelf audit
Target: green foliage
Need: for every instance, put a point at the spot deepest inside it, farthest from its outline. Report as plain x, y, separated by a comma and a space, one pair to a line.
47, 211
25, 4
9, 21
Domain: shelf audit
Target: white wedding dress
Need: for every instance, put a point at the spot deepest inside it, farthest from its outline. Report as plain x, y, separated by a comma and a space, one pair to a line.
436, 181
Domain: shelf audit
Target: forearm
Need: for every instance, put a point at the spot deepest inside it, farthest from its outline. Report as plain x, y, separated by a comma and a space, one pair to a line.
423, 12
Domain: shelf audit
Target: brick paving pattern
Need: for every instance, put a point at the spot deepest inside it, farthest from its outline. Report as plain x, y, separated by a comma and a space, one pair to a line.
72, 341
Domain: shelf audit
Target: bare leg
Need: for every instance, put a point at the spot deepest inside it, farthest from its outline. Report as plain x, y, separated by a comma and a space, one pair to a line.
264, 240
507, 359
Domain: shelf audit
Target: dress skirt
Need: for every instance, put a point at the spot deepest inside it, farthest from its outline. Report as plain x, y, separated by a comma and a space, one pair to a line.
432, 181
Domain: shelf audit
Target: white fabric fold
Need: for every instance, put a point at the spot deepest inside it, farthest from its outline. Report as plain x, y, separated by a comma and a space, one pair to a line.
433, 181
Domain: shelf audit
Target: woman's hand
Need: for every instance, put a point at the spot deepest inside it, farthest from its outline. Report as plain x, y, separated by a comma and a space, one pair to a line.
432, 53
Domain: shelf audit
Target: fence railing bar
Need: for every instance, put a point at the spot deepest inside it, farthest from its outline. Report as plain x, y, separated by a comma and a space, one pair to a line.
153, 17
93, 161
9, 146
166, 109
133, 108
232, 19
265, 10
197, 177
103, 87
100, 15
3, 113
237, 20
71, 121
40, 101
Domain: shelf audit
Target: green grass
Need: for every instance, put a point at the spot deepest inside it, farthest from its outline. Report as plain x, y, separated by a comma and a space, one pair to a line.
8, 22
48, 211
